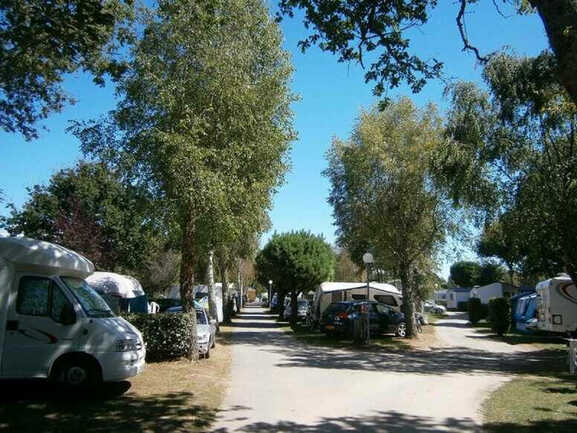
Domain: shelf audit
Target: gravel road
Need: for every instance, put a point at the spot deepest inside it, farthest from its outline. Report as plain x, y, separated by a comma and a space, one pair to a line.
281, 385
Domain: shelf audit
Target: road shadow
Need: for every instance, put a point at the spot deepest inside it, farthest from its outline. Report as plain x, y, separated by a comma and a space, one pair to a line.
395, 422
38, 406
298, 352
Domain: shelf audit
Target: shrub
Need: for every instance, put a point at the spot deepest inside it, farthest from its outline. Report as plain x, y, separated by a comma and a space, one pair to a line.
167, 336
462, 306
475, 310
499, 315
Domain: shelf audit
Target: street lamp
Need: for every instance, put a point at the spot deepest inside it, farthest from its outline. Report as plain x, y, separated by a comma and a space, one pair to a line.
269, 293
368, 260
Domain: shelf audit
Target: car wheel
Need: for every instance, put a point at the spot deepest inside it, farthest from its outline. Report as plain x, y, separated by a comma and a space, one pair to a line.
213, 343
77, 374
207, 354
401, 330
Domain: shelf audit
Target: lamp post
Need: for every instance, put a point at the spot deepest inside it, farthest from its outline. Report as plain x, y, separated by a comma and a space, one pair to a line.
368, 260
269, 293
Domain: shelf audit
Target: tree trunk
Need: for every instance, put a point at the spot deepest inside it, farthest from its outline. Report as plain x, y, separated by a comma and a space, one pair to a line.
294, 296
239, 284
187, 266
408, 301
560, 20
212, 308
225, 294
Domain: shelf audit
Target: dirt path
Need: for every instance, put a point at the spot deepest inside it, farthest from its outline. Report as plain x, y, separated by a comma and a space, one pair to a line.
281, 385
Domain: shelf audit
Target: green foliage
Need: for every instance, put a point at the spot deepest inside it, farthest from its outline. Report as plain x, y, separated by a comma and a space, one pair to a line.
296, 261
91, 210
465, 274
381, 192
42, 41
499, 315
345, 268
204, 118
353, 30
490, 273
167, 336
475, 309
380, 30
512, 158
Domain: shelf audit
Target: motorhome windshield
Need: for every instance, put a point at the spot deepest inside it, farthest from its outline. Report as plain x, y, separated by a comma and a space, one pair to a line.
92, 304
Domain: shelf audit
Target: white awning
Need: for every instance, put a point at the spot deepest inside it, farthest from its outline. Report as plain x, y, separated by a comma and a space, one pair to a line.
328, 287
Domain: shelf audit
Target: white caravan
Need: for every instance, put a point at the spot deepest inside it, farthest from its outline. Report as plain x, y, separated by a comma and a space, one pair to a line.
329, 292
54, 325
557, 305
493, 290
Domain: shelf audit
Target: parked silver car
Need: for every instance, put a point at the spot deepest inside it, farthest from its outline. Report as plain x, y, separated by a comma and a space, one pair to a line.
205, 330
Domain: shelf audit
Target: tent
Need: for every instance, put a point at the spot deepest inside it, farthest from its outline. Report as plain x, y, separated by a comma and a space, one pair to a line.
121, 292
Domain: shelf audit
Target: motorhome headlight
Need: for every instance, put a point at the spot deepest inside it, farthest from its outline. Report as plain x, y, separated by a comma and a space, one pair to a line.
126, 345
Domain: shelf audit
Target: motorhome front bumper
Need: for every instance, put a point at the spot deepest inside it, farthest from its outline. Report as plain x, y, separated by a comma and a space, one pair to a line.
118, 366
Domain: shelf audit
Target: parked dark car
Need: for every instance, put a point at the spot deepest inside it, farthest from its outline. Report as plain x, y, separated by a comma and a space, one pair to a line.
339, 317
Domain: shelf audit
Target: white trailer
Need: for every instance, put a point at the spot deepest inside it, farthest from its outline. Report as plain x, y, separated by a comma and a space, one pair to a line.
329, 292
557, 305
54, 325
493, 290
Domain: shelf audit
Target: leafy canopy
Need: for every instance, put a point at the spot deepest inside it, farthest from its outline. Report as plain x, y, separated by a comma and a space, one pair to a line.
295, 261
42, 41
512, 157
88, 208
382, 194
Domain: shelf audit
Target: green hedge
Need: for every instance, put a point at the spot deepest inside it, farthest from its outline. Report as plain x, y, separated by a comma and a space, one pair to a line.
462, 306
475, 308
167, 336
499, 315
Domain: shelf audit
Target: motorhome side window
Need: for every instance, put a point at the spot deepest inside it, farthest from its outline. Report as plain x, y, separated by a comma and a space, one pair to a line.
33, 295
39, 296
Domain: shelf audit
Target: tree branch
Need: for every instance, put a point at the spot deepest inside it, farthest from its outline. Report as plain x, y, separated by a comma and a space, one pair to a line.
467, 45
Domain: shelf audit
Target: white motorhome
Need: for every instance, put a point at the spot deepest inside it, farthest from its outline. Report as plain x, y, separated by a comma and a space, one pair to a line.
329, 292
557, 305
493, 290
54, 325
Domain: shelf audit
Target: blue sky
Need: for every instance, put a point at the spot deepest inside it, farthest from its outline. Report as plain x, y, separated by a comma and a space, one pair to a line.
331, 96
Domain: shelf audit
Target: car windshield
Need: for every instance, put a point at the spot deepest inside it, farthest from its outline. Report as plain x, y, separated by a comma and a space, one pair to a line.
91, 302
200, 317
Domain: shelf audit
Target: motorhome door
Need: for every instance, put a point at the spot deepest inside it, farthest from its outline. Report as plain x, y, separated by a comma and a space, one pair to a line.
35, 332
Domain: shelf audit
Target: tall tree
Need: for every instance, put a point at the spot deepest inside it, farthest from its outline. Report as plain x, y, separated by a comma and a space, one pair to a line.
42, 41
204, 116
296, 262
356, 30
90, 209
513, 157
381, 191
465, 274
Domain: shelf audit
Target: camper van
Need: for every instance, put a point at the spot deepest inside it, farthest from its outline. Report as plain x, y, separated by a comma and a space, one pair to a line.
54, 325
557, 305
329, 292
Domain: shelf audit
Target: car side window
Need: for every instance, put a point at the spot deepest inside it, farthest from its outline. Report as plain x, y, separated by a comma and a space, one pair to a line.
33, 296
382, 310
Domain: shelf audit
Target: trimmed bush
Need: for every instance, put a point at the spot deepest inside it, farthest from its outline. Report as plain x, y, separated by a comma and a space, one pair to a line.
475, 310
462, 306
167, 335
499, 315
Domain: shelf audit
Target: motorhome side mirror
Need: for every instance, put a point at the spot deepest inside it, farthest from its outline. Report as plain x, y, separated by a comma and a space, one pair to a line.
213, 321
68, 315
